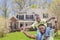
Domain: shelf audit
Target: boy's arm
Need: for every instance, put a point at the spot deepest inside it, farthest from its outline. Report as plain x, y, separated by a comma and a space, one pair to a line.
24, 28
50, 19
28, 27
29, 35
55, 27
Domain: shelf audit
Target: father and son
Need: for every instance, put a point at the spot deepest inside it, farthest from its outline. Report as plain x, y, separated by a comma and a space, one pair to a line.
43, 32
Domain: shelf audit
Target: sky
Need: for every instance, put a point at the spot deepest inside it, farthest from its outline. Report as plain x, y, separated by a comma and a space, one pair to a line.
9, 5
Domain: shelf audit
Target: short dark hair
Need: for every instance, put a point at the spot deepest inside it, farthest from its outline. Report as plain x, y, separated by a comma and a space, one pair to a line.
41, 25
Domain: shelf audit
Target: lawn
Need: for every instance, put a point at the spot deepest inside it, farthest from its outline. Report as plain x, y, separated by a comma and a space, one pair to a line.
20, 36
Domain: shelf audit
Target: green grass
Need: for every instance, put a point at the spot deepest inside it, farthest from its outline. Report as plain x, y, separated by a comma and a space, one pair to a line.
57, 37
16, 36
21, 36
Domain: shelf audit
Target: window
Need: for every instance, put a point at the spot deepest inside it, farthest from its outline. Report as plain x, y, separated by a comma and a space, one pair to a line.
21, 25
26, 24
17, 16
29, 17
21, 17
45, 15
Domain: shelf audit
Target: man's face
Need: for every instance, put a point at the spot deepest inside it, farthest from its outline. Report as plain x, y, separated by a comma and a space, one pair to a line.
42, 29
38, 19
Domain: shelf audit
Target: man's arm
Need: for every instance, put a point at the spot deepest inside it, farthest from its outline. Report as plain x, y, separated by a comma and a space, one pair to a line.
29, 35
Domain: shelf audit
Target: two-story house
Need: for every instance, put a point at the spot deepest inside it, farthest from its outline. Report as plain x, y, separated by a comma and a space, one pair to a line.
27, 17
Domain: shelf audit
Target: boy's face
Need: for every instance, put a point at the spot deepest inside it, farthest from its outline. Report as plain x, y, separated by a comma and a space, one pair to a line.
38, 19
42, 29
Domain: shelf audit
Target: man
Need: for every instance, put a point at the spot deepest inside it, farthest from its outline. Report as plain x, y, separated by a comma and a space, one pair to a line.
37, 23
42, 35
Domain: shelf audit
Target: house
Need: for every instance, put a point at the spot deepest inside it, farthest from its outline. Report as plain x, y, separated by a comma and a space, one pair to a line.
27, 17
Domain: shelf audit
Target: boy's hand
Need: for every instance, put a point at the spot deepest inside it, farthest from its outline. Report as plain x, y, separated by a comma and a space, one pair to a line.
52, 17
23, 29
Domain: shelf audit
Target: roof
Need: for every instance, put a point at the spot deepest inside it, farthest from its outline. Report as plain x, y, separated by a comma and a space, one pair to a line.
13, 17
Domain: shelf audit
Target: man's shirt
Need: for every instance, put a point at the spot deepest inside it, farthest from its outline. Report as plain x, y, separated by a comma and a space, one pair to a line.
39, 36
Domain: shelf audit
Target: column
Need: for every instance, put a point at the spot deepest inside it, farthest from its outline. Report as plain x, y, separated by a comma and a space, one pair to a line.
24, 16
18, 24
24, 24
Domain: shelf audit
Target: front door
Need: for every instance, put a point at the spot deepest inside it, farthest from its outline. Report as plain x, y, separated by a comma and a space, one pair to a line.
13, 26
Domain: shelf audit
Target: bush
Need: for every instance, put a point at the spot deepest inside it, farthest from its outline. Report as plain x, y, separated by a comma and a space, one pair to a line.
3, 31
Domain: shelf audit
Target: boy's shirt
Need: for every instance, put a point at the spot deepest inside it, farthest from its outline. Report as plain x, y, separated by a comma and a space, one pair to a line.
36, 24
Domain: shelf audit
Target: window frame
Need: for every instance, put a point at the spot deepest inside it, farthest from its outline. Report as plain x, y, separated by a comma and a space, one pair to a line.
45, 15
29, 17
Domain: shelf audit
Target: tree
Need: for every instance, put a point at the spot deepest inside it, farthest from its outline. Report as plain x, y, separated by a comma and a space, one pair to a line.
55, 8
18, 5
4, 10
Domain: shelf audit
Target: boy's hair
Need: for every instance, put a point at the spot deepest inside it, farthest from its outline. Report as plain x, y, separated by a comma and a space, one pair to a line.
41, 25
